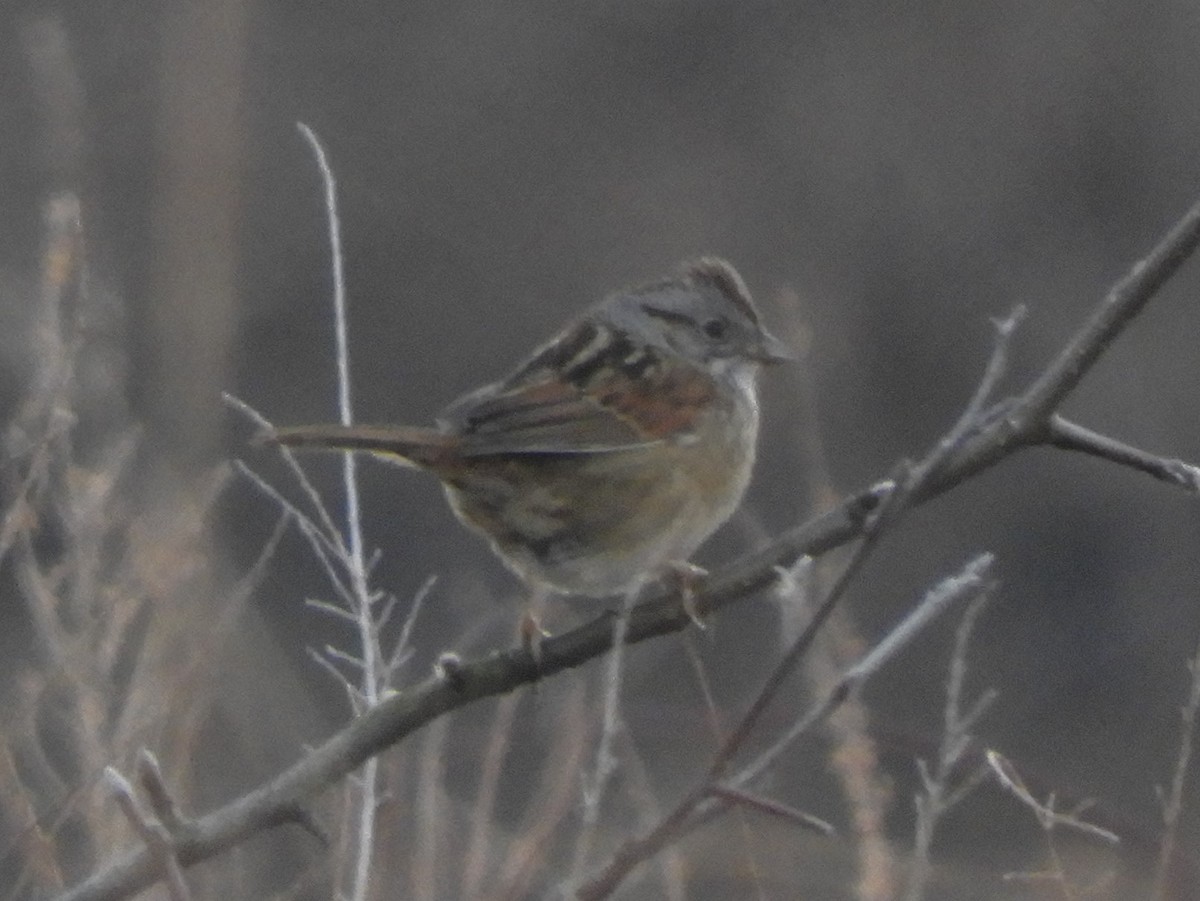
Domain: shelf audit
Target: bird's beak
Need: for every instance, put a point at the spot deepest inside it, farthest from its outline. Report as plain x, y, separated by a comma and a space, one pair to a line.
771, 351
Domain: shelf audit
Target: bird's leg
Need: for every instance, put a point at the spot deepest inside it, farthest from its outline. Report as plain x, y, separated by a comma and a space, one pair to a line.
530, 627
685, 578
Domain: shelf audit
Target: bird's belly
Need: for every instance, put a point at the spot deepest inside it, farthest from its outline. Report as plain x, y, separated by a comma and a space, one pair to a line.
600, 524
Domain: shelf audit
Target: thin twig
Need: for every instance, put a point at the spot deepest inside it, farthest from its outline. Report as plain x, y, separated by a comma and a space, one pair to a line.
975, 413
697, 806
326, 547
1124, 301
967, 582
1006, 774
640, 788
154, 834
150, 777
1067, 435
499, 740
429, 858
938, 794
333, 610
800, 818
337, 655
594, 785
400, 651
716, 727
371, 667
526, 855
353, 693
328, 529
1172, 802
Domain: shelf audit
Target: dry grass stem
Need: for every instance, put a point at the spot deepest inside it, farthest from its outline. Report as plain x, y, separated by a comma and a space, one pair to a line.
1172, 799
939, 791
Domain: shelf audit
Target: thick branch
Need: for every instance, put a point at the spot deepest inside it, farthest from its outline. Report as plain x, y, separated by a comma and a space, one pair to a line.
1121, 305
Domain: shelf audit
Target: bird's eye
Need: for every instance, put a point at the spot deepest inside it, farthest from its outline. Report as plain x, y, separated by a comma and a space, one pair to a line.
716, 328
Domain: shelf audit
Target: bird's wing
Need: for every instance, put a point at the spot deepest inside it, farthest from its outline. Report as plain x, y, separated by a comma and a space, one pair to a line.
590, 391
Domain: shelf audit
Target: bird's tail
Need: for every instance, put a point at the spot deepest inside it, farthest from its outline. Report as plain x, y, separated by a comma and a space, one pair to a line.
420, 446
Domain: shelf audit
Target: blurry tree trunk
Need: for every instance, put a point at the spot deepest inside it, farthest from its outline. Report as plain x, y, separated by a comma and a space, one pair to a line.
195, 231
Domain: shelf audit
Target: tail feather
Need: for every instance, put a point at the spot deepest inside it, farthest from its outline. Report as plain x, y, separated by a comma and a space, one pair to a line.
423, 446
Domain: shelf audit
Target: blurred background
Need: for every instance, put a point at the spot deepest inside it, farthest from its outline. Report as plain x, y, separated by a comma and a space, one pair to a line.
886, 179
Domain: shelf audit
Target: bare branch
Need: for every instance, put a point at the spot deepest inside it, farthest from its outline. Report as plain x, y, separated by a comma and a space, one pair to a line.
1124, 301
595, 784
698, 805
333, 610
155, 786
400, 651
327, 530
499, 739
775, 808
154, 834
968, 582
939, 794
1048, 817
354, 560
1173, 799
1069, 436
327, 546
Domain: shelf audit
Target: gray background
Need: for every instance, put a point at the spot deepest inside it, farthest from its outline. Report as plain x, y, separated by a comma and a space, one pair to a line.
907, 172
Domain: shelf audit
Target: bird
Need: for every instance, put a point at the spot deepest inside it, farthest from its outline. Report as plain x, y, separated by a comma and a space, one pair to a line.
610, 454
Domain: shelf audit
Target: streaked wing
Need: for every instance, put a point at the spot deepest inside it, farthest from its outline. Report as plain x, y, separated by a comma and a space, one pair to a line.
538, 418
591, 391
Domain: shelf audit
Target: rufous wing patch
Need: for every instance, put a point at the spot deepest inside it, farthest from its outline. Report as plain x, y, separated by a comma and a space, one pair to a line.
670, 402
